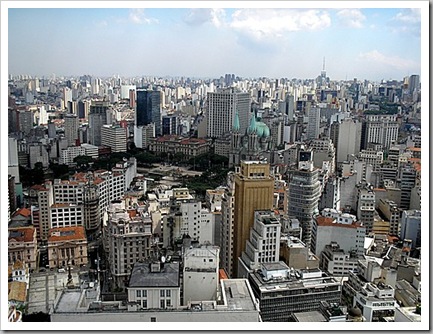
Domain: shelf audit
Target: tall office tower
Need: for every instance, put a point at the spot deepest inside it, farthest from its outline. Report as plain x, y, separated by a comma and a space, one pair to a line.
148, 109
67, 96
407, 175
100, 114
413, 83
304, 194
366, 208
221, 110
25, 121
263, 246
114, 136
169, 125
287, 107
71, 129
45, 200
411, 227
13, 168
254, 190
346, 136
380, 129
313, 127
132, 98
227, 222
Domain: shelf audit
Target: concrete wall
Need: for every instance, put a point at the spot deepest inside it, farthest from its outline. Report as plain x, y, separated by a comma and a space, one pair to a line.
179, 316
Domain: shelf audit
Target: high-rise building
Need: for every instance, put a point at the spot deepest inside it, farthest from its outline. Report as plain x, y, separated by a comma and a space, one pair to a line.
114, 136
148, 109
313, 127
71, 129
346, 136
169, 125
227, 222
263, 246
221, 110
380, 129
99, 115
366, 207
304, 193
413, 83
411, 227
254, 190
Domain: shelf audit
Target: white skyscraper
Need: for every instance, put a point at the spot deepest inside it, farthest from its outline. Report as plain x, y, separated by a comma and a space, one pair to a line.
222, 107
313, 127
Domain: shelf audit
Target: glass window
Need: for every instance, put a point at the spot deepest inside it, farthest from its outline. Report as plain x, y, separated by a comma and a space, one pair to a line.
163, 303
168, 293
138, 293
145, 293
162, 293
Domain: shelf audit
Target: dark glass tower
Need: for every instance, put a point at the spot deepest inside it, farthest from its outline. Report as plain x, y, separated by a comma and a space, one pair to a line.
148, 109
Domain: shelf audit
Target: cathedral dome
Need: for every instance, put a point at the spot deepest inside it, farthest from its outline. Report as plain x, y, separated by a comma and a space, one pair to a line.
262, 130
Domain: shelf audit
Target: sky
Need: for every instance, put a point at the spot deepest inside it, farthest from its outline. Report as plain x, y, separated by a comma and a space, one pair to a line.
363, 43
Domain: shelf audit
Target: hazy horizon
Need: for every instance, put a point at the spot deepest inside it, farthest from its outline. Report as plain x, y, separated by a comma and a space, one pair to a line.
364, 43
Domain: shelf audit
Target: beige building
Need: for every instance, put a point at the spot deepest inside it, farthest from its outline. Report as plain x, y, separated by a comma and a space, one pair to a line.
67, 244
296, 254
189, 147
254, 190
23, 246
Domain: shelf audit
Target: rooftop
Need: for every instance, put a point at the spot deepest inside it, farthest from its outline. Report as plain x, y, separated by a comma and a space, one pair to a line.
142, 275
17, 291
22, 234
66, 233
23, 212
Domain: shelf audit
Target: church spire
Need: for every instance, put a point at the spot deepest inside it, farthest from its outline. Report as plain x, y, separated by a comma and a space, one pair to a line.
236, 125
253, 126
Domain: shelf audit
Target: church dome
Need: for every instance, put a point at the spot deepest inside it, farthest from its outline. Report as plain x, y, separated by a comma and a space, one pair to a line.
262, 130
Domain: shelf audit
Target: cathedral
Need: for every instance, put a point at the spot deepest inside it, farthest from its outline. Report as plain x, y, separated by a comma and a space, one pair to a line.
255, 144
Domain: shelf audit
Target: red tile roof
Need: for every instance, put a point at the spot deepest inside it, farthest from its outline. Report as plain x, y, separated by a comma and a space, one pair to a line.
23, 212
327, 221
66, 233
23, 234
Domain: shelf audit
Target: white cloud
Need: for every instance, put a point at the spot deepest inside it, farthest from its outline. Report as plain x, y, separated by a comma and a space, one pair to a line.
407, 21
376, 57
265, 23
199, 16
409, 16
352, 18
137, 16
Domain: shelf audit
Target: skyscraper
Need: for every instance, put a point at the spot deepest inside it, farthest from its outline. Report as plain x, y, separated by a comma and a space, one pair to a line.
71, 129
346, 137
380, 129
221, 112
304, 193
99, 115
254, 190
148, 109
313, 127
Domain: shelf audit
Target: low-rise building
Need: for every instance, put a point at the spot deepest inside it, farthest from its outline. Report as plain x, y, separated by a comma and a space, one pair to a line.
188, 147
282, 291
67, 245
154, 285
23, 246
336, 261
376, 301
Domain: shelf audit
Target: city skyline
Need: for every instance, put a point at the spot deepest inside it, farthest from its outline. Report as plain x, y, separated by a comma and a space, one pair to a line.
209, 42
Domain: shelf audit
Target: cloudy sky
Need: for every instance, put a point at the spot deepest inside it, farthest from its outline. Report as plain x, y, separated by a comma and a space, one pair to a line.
366, 43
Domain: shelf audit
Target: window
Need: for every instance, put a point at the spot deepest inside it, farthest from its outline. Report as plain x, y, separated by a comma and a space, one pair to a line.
138, 293
168, 301
153, 319
162, 293
145, 293
168, 293
163, 303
